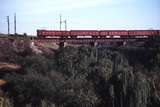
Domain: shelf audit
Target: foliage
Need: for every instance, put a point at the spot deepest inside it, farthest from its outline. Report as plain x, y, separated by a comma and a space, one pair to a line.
86, 77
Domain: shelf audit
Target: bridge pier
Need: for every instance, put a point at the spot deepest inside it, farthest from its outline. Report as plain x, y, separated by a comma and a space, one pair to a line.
124, 43
62, 44
93, 43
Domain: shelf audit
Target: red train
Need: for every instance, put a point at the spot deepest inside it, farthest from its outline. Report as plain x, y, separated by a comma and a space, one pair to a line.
98, 34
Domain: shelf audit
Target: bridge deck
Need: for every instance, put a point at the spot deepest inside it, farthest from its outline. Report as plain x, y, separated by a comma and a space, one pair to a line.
88, 40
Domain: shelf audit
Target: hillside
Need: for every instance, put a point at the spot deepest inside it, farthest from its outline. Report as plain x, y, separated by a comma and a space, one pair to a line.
125, 76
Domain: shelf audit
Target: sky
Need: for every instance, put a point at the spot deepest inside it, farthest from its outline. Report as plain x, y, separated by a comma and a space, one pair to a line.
80, 14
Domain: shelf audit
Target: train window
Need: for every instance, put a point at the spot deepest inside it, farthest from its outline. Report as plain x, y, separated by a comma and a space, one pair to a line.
46, 33
85, 33
43, 33
49, 33
104, 33
72, 33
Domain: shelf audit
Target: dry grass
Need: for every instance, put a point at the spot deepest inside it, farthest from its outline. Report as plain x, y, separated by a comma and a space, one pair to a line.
2, 82
5, 102
8, 67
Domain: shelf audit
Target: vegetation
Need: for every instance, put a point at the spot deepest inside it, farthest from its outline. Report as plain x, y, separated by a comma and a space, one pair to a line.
84, 77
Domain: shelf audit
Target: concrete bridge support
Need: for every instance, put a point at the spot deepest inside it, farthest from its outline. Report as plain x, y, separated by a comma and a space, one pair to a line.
62, 44
93, 43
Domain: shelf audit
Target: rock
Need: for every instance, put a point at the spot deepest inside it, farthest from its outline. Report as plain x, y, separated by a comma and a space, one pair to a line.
35, 48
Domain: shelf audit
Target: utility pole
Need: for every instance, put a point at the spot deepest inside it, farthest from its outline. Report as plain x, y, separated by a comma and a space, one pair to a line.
60, 16
15, 24
61, 22
65, 22
8, 23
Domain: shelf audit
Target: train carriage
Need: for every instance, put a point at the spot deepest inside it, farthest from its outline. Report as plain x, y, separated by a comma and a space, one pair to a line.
84, 32
112, 33
139, 33
52, 33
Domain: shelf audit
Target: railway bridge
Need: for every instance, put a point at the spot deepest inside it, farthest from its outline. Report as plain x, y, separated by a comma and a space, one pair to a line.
63, 42
88, 41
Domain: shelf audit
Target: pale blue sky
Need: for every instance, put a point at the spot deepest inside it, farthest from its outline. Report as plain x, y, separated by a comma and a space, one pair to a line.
80, 14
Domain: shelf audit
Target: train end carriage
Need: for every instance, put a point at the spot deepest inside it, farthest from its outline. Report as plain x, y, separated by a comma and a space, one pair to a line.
40, 34
45, 33
52, 34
